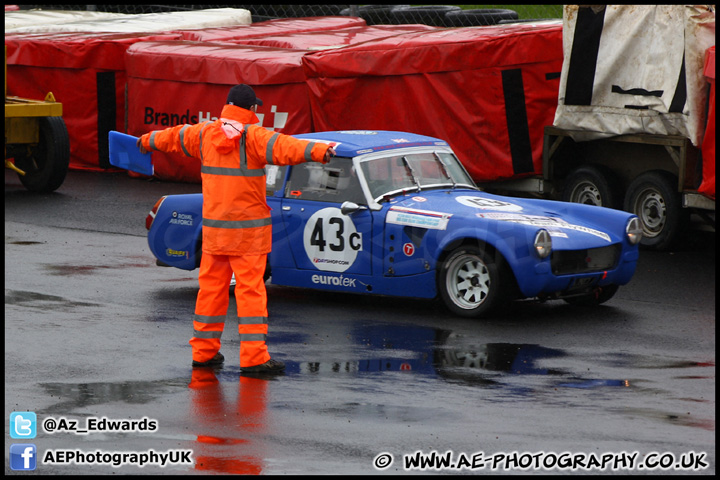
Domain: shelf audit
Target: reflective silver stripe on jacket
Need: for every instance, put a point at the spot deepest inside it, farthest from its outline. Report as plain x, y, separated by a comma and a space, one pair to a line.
269, 149
152, 140
201, 140
258, 222
253, 337
308, 151
233, 171
182, 141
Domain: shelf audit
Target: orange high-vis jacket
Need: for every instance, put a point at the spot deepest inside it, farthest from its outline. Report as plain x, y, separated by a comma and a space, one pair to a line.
236, 217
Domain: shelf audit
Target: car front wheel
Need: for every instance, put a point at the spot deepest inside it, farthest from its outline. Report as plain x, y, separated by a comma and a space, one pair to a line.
471, 283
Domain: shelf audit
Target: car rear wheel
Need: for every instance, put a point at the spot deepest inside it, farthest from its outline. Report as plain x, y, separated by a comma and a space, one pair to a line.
471, 283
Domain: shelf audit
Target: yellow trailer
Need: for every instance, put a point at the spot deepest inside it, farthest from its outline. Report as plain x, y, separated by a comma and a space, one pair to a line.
37, 145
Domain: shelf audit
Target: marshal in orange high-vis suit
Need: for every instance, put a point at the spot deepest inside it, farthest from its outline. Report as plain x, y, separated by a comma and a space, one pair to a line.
237, 228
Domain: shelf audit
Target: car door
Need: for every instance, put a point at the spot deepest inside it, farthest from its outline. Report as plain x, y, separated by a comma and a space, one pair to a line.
319, 235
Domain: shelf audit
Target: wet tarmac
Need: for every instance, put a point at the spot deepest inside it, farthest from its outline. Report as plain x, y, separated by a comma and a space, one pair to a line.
96, 337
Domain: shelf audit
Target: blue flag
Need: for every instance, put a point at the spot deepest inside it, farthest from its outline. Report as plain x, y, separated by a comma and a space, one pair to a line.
124, 153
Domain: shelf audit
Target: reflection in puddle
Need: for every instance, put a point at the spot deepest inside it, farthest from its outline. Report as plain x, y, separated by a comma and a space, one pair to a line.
651, 362
72, 396
435, 352
240, 420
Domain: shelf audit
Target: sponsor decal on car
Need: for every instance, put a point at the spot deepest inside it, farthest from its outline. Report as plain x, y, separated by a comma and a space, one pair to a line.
181, 219
177, 253
544, 222
331, 240
488, 204
418, 218
340, 281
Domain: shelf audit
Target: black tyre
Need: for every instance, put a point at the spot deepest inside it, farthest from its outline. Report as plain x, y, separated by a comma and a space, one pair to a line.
295, 11
598, 296
654, 198
267, 274
479, 17
471, 283
433, 15
592, 185
527, 20
46, 164
375, 14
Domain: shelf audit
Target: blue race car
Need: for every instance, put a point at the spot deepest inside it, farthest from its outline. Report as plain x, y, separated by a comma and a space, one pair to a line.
394, 213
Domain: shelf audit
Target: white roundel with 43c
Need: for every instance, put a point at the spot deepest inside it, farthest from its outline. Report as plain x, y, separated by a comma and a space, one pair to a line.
331, 240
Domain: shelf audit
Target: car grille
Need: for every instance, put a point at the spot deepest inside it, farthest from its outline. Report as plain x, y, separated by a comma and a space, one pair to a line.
565, 262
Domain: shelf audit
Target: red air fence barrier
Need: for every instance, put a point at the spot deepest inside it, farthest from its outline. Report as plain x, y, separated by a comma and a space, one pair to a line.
280, 26
187, 82
171, 83
341, 37
86, 73
488, 91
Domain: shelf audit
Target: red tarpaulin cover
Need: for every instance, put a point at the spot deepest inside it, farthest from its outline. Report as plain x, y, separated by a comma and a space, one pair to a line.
278, 26
708, 146
86, 73
488, 91
321, 40
171, 83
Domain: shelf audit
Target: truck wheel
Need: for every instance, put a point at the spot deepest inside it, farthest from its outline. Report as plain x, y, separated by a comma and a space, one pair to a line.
46, 164
653, 197
592, 185
471, 283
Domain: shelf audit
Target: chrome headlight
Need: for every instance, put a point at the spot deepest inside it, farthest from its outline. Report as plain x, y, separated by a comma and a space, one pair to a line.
633, 231
543, 243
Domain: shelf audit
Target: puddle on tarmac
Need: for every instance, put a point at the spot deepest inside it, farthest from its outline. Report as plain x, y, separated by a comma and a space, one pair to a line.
67, 270
519, 369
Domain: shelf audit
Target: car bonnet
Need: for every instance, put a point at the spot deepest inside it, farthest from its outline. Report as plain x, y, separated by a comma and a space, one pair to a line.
569, 225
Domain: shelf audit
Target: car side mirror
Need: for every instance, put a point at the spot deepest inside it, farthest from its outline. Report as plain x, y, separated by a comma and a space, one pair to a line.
350, 207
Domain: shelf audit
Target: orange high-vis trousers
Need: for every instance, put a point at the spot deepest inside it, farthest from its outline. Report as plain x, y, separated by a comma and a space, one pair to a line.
212, 305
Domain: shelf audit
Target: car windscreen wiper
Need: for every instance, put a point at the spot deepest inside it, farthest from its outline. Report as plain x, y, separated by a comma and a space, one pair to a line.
444, 169
411, 172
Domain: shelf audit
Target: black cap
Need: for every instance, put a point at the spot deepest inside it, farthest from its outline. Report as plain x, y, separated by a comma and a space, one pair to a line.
243, 96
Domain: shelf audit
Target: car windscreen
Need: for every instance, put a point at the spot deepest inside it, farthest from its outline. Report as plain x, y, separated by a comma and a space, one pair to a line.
414, 171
